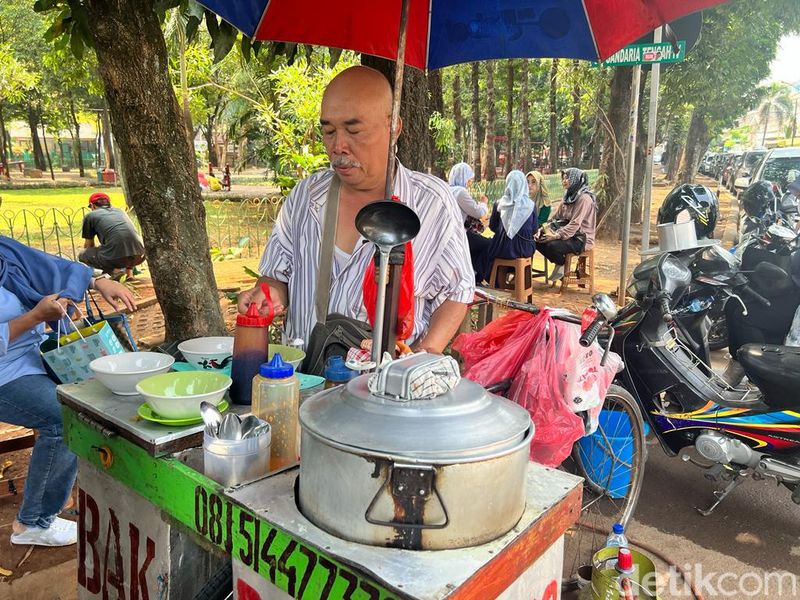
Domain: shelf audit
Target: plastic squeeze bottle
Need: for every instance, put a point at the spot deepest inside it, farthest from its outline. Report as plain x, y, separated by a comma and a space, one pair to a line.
336, 373
250, 348
276, 399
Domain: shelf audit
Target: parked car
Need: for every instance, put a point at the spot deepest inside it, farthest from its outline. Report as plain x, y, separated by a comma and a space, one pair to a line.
707, 164
780, 166
748, 164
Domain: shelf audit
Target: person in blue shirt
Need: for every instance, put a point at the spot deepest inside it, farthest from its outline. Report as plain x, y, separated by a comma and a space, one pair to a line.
514, 224
35, 288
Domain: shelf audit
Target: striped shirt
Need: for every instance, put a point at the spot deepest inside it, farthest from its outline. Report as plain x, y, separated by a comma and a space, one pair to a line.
442, 267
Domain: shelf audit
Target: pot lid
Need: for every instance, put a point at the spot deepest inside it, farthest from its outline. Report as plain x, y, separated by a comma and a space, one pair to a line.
466, 422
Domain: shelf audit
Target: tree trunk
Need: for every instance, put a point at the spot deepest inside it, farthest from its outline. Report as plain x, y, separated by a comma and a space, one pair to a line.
509, 118
153, 144
611, 190
598, 134
109, 153
3, 145
553, 120
696, 142
415, 145
674, 160
641, 153
766, 125
488, 159
47, 152
575, 126
76, 139
438, 156
33, 123
212, 157
458, 119
476, 122
526, 130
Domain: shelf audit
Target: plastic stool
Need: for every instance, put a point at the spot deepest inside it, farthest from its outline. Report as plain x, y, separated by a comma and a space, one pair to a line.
521, 269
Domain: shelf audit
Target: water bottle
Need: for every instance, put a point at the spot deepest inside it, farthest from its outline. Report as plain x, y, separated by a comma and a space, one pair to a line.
617, 537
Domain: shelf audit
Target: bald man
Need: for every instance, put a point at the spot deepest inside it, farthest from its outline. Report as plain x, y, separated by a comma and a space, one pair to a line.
355, 119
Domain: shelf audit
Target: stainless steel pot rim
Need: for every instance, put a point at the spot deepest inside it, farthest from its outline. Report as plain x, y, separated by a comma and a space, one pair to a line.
464, 422
429, 458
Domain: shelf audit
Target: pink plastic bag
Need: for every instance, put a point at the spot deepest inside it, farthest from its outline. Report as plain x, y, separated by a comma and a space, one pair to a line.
554, 376
497, 351
559, 379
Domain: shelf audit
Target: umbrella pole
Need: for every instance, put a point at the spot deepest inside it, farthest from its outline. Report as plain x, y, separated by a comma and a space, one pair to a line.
389, 337
397, 96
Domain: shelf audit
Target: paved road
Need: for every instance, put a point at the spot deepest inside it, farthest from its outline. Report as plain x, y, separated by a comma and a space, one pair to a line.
755, 530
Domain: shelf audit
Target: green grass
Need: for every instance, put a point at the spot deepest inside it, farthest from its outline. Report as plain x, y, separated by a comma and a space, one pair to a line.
58, 198
51, 219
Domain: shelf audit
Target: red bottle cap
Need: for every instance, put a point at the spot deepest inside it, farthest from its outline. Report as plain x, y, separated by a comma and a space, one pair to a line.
253, 318
624, 560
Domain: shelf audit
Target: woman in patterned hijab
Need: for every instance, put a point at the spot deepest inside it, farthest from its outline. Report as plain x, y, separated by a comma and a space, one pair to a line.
572, 228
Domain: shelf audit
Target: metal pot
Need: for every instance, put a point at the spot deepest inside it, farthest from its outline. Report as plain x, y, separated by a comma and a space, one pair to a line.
443, 472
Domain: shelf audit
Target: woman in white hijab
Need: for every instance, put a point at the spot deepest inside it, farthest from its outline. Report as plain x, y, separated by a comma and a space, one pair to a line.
514, 224
472, 212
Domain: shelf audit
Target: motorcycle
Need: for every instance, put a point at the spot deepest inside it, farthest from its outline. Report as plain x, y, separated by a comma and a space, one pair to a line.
738, 432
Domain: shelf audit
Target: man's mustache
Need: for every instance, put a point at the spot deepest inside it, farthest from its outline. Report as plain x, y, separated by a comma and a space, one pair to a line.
341, 161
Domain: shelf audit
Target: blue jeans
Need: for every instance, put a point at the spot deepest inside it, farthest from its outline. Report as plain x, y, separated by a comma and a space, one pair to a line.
30, 401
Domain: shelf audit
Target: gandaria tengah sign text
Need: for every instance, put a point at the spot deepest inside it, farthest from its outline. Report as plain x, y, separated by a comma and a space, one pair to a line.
646, 54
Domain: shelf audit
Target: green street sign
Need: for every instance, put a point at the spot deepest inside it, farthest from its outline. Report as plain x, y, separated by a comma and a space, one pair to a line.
646, 54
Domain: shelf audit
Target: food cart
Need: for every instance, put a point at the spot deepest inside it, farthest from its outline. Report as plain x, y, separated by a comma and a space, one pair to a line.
152, 526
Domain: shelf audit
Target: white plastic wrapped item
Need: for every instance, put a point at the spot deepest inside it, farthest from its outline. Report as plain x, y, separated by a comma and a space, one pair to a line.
793, 337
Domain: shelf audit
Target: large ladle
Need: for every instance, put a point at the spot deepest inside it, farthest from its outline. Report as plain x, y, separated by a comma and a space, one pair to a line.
386, 224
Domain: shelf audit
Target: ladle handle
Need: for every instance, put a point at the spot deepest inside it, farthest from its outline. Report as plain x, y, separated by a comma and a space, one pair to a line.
380, 303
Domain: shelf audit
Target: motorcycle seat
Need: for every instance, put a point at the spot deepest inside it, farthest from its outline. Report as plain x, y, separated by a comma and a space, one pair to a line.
775, 370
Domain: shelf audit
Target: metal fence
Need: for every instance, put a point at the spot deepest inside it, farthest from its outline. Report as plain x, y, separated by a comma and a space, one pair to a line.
235, 228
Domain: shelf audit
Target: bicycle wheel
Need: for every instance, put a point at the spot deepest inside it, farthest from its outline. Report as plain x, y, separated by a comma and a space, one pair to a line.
611, 461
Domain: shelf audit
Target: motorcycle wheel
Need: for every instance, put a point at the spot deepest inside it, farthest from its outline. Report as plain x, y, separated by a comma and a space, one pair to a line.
718, 333
611, 461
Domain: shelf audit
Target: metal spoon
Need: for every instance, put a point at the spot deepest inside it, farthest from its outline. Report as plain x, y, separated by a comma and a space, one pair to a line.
249, 425
231, 427
211, 417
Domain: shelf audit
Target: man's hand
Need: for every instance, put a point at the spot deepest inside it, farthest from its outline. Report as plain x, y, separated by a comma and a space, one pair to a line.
277, 291
114, 292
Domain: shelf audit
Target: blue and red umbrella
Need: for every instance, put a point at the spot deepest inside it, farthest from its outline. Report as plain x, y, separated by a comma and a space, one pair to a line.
447, 32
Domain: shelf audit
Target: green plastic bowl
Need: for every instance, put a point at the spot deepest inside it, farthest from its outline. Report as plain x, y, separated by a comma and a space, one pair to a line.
178, 395
293, 356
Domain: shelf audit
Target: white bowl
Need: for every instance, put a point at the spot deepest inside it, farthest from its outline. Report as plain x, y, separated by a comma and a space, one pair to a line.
121, 372
208, 353
178, 395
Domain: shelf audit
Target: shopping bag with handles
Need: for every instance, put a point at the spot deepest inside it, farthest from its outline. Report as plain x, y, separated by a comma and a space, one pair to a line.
69, 359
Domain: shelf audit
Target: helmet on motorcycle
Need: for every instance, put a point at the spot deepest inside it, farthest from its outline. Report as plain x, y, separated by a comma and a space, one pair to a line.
757, 198
698, 201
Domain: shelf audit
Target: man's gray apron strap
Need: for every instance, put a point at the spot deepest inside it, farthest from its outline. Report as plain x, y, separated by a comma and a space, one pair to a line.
325, 266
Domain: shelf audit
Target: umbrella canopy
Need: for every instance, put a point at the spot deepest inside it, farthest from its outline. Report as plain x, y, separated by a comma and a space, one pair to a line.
448, 32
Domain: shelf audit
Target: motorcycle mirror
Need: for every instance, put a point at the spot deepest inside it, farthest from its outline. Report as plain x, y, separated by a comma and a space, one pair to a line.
781, 231
768, 273
605, 305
